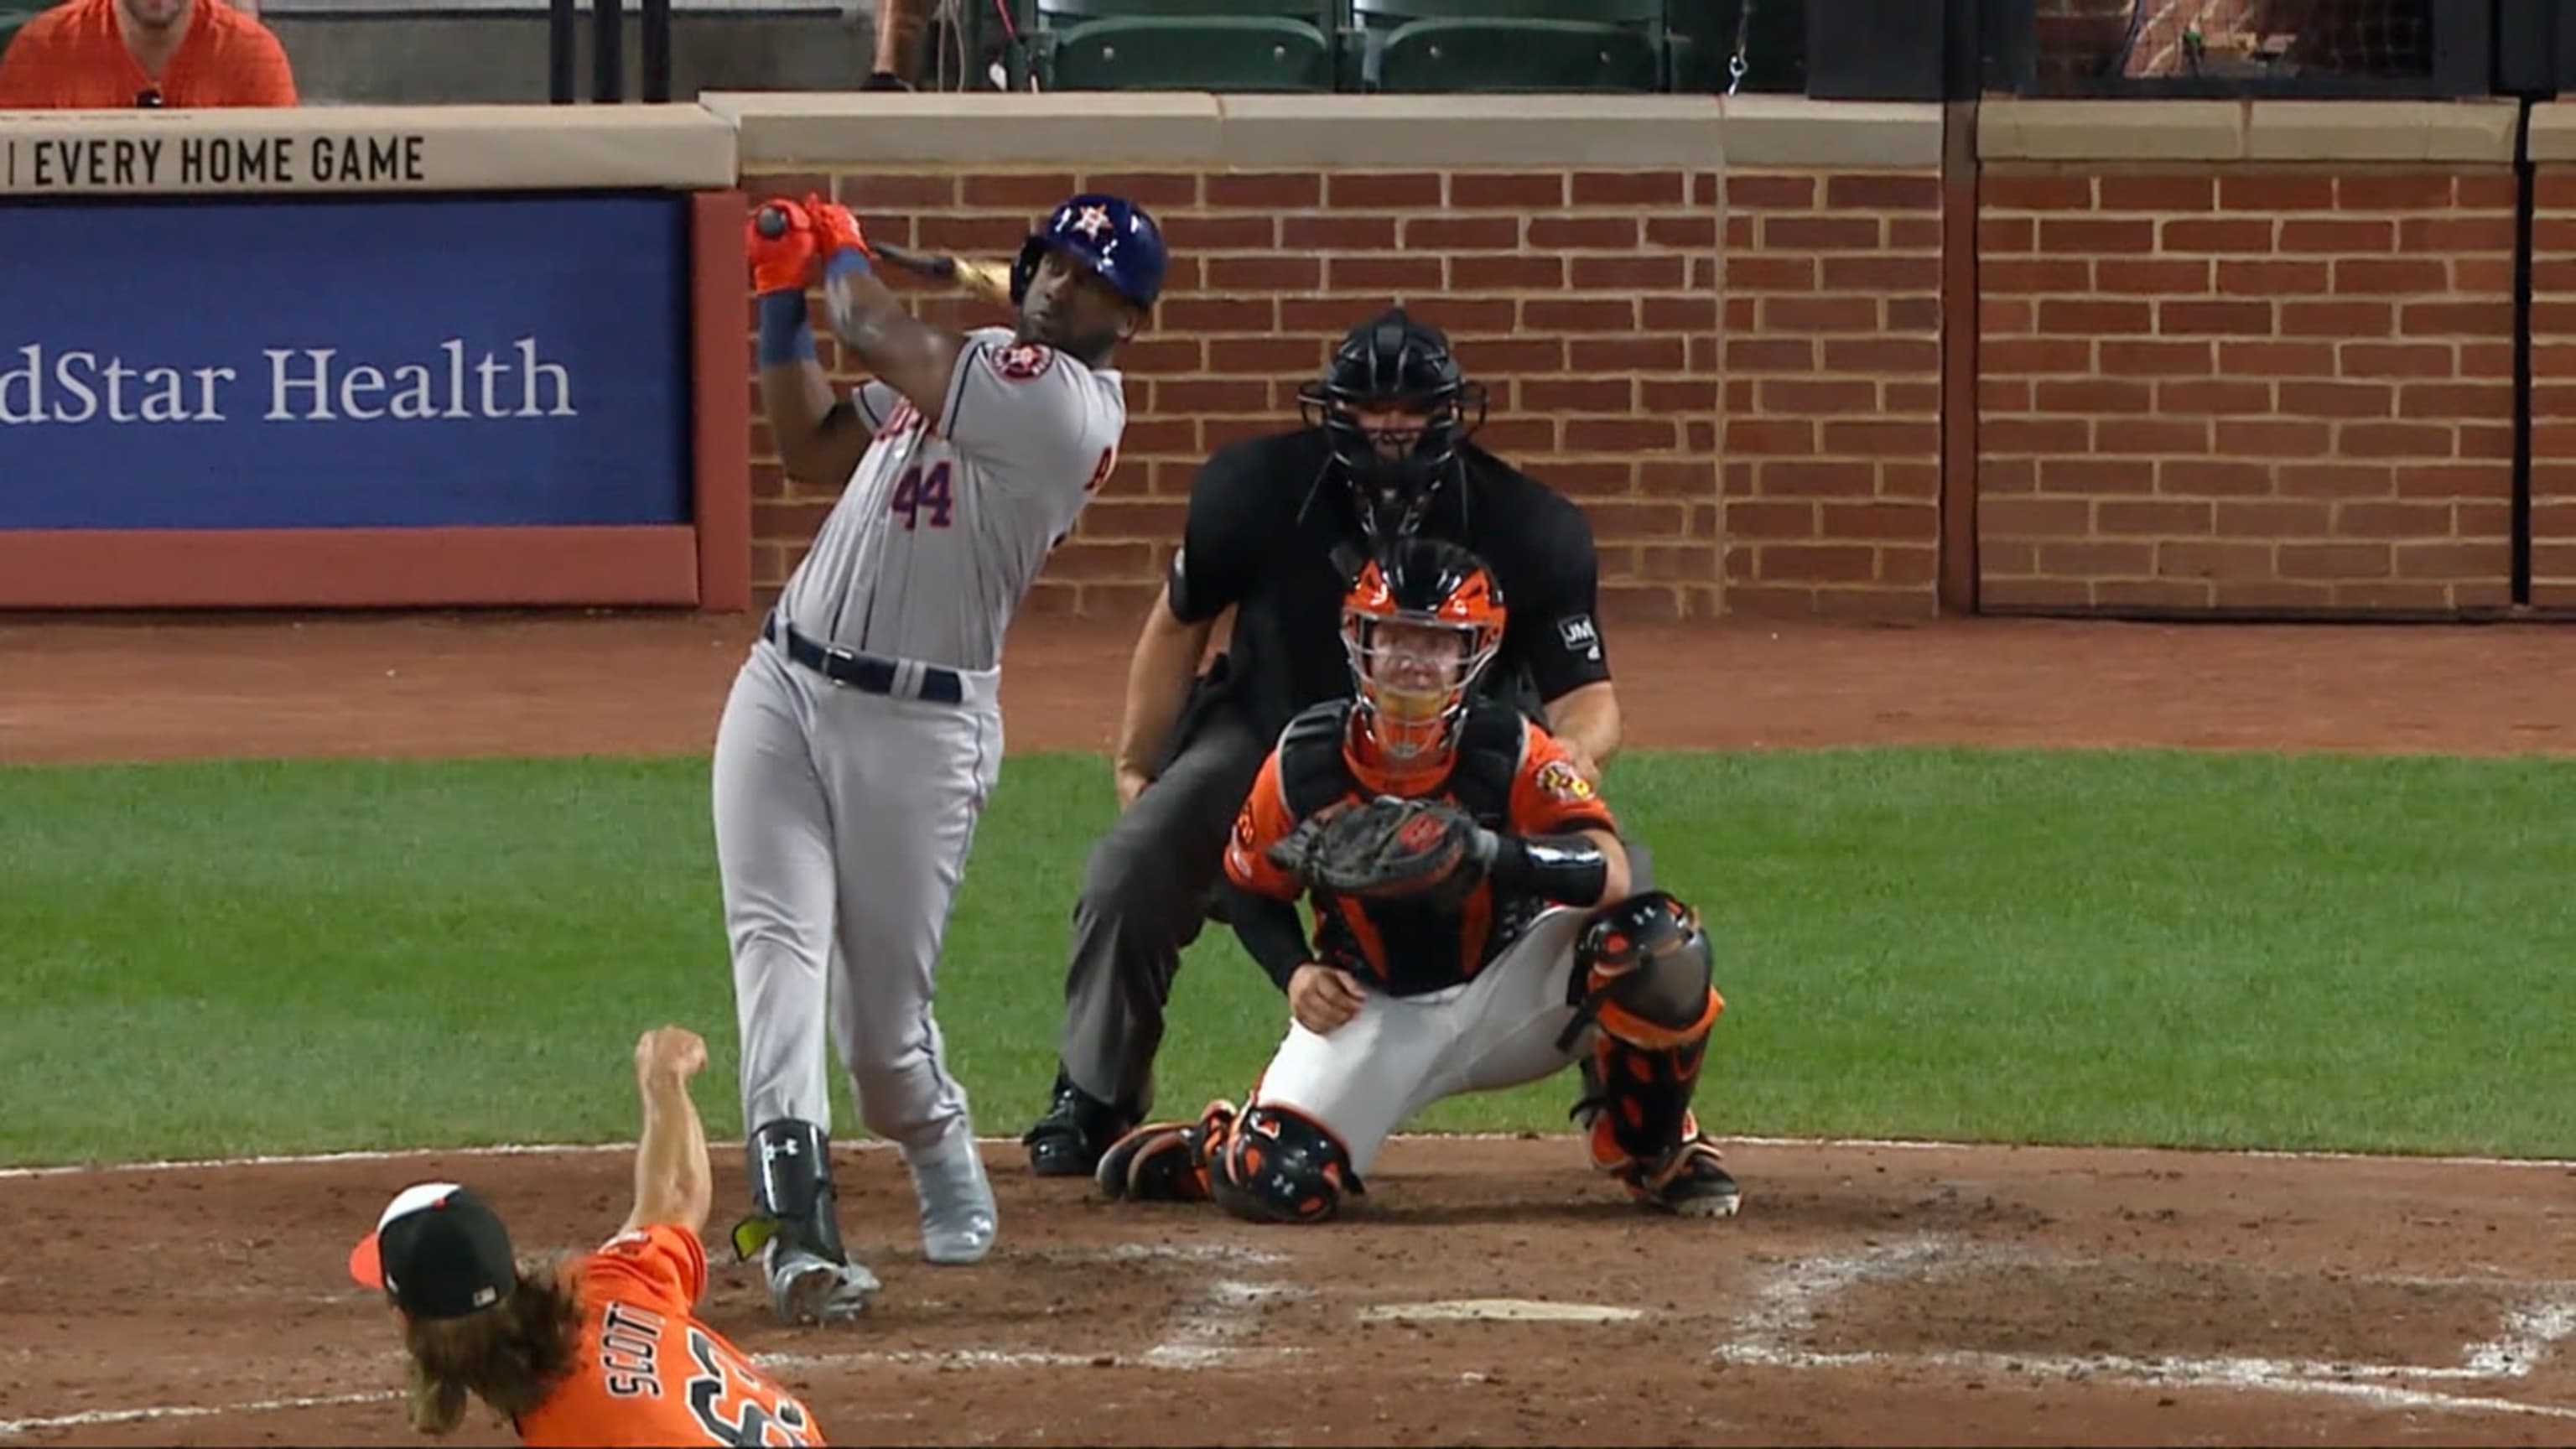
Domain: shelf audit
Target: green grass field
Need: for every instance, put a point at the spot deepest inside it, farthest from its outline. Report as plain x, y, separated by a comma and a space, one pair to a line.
2142, 948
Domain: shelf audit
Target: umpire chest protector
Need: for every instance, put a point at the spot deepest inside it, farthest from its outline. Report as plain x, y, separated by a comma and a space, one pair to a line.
1419, 947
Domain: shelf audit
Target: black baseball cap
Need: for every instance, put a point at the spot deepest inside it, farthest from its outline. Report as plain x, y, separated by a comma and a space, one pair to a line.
440, 1249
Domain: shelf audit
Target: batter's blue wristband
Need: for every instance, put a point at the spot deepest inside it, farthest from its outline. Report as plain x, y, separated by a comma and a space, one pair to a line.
847, 259
786, 334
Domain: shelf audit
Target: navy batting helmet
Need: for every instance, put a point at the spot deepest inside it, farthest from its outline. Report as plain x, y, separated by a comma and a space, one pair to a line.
1112, 235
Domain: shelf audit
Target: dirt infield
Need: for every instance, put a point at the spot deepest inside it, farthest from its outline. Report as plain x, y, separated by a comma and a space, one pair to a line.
1870, 1294
503, 685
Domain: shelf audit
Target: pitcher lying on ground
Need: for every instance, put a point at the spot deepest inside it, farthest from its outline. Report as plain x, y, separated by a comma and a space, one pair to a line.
603, 1348
1473, 931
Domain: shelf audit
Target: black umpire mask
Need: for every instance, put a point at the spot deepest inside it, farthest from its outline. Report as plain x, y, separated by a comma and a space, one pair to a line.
1395, 409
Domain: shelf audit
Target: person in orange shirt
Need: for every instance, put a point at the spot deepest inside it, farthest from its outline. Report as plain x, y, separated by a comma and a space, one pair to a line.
603, 1348
1528, 951
118, 54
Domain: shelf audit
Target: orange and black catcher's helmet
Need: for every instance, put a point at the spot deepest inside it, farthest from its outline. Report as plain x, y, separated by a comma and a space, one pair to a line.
1420, 623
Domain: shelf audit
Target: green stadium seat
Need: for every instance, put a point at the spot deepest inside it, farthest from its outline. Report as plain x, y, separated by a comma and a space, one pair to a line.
1185, 45
1432, 46
14, 15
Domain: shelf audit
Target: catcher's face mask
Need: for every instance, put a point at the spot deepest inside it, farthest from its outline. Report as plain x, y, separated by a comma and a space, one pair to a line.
1414, 674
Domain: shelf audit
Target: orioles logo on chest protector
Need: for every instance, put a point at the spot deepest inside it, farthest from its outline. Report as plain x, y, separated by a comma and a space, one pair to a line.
1421, 833
1558, 778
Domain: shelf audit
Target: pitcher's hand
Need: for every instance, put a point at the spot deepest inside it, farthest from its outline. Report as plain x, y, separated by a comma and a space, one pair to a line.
673, 1052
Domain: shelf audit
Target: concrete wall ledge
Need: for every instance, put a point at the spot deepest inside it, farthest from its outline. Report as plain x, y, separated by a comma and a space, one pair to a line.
2553, 131
2476, 132
782, 130
364, 149
1792, 131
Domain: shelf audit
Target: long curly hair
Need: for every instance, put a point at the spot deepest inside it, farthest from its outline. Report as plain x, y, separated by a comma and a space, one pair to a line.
510, 1355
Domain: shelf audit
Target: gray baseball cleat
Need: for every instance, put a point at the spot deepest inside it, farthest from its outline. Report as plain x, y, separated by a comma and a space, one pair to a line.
958, 1218
805, 1288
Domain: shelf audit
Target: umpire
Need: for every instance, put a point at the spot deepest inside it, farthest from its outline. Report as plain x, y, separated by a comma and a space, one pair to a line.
1278, 526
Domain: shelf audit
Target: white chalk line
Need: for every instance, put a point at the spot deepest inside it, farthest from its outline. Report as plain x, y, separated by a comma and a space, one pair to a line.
1183, 1351
931, 1357
1225, 1254
2197, 1373
93, 1417
2529, 1334
1202, 1335
1787, 1302
1901, 1144
1203, 1332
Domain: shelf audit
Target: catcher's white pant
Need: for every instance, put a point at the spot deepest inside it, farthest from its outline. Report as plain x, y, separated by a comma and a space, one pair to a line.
1400, 1054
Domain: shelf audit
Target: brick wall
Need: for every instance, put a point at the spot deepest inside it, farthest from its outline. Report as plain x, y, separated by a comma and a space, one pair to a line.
2553, 388
1586, 301
2228, 384
1833, 394
2258, 390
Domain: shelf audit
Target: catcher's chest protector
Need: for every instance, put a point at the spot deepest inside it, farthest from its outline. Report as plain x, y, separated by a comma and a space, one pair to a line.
1415, 947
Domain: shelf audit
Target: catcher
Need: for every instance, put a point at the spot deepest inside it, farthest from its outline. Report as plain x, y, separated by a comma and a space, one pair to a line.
1474, 931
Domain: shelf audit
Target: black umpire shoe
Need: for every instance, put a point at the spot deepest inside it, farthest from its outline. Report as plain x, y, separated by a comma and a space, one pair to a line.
1069, 1139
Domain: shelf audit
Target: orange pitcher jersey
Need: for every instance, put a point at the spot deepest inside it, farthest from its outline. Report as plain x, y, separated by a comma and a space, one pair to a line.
649, 1372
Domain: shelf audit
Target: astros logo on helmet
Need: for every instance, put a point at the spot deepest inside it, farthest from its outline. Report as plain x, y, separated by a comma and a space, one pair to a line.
1110, 234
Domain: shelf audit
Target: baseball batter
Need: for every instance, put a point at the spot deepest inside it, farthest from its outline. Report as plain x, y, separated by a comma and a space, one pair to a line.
864, 731
1474, 930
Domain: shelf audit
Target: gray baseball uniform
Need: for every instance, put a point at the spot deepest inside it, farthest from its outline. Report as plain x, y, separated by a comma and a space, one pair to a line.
844, 811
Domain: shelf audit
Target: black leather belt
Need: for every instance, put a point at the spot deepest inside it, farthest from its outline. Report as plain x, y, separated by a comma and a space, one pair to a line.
864, 671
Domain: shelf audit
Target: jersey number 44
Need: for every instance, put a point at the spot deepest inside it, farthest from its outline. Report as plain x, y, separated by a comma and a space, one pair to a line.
918, 494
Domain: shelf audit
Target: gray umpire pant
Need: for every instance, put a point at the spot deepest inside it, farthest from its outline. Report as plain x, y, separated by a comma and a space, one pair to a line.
1145, 895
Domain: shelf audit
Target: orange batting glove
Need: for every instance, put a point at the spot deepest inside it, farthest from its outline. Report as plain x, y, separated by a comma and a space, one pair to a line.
836, 230
782, 263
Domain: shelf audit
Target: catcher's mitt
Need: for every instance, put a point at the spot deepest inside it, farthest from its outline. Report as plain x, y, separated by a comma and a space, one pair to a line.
1388, 848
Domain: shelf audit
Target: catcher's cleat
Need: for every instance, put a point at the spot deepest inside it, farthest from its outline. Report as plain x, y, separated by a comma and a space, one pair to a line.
1689, 1179
1162, 1161
1069, 1140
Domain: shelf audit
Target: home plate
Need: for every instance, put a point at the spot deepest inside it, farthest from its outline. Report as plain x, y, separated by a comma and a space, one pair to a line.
1524, 1310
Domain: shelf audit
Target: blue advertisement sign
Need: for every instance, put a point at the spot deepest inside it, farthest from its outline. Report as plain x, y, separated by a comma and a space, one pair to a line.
330, 362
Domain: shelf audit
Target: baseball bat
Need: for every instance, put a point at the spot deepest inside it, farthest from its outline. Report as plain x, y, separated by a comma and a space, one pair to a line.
989, 280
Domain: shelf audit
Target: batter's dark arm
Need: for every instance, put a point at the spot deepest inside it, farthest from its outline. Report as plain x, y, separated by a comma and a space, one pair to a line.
908, 354
820, 436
